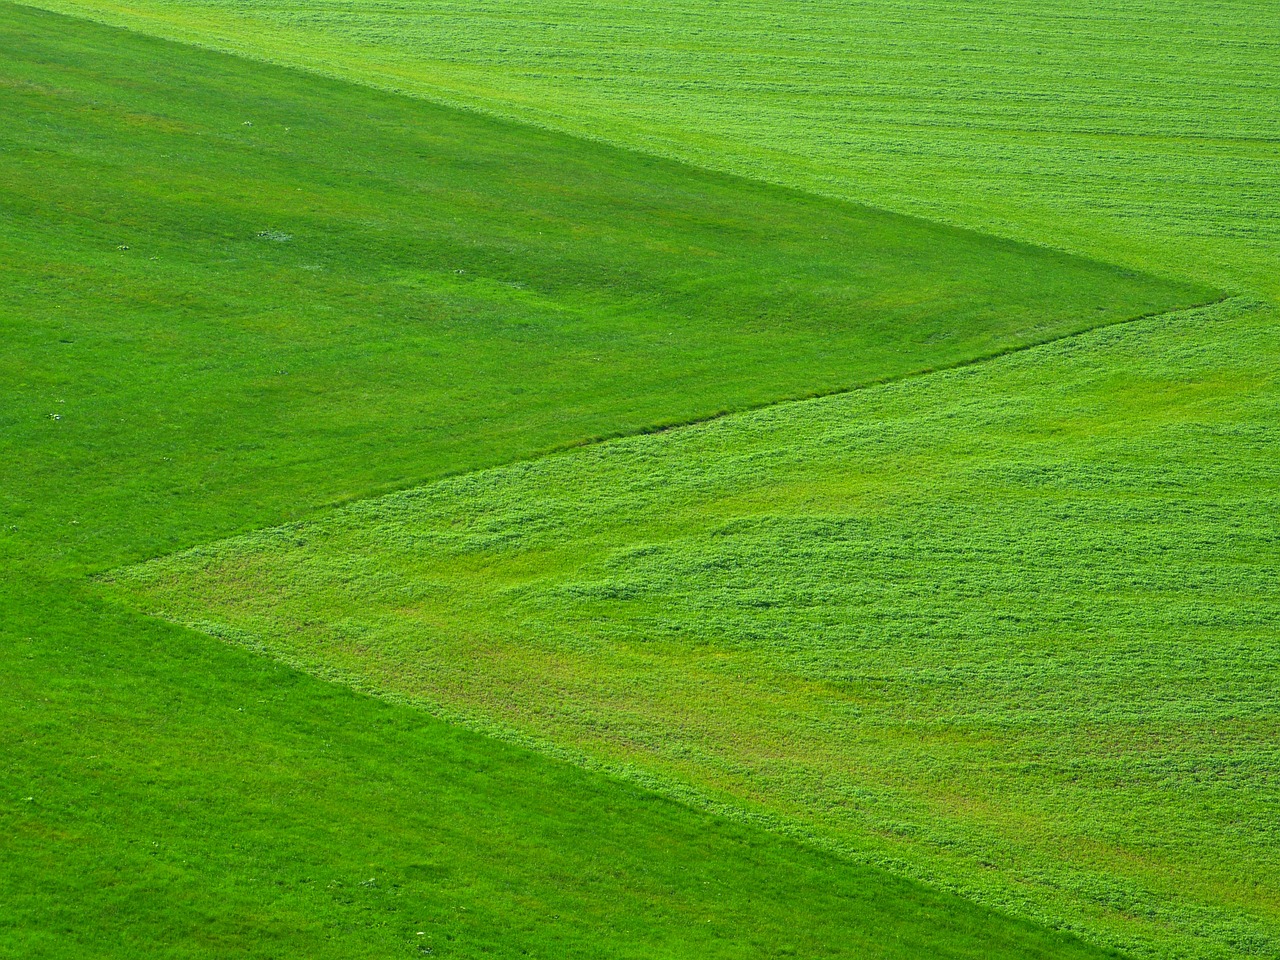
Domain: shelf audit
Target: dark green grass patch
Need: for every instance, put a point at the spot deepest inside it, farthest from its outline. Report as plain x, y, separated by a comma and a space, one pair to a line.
231, 291
1013, 627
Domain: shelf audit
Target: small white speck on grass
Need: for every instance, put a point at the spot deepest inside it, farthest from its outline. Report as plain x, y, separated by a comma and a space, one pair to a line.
55, 416
248, 123
123, 246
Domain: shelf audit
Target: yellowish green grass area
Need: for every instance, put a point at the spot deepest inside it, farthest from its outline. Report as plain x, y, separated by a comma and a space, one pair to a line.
1011, 628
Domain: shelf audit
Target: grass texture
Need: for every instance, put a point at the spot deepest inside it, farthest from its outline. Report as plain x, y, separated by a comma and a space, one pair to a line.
1138, 131
166, 795
213, 323
1008, 629
1012, 628
233, 282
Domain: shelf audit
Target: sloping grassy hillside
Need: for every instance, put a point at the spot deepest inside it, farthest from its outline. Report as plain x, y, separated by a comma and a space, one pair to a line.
218, 273
287, 327
1141, 131
1013, 626
1056, 699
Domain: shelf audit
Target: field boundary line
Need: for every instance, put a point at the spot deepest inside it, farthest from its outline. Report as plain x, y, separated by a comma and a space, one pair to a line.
498, 115
1238, 301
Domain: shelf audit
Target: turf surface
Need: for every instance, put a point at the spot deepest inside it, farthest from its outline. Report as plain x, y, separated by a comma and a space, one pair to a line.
1134, 131
210, 327
1139, 131
1014, 626
166, 795
218, 273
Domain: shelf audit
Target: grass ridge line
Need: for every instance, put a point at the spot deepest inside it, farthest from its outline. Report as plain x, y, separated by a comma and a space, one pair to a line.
512, 119
1240, 301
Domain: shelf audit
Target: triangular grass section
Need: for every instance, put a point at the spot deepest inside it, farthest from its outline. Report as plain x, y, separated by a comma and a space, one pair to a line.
1136, 131
235, 291
1011, 627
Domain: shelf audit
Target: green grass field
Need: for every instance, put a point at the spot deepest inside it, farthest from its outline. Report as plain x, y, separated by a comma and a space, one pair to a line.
167, 795
208, 378
1139, 131
949, 623
972, 662
403, 291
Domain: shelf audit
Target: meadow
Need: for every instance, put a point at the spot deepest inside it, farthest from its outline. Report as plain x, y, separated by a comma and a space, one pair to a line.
972, 653
210, 327
1138, 131
297, 270
1013, 627
168, 795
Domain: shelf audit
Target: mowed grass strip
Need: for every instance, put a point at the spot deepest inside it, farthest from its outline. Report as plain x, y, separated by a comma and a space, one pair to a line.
1012, 628
233, 291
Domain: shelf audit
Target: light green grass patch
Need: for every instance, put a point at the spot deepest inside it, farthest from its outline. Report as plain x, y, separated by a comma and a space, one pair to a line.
1011, 628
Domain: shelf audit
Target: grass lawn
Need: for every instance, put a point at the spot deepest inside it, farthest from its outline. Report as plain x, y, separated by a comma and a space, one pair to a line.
168, 795
231, 294
1137, 131
1013, 627
1008, 628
